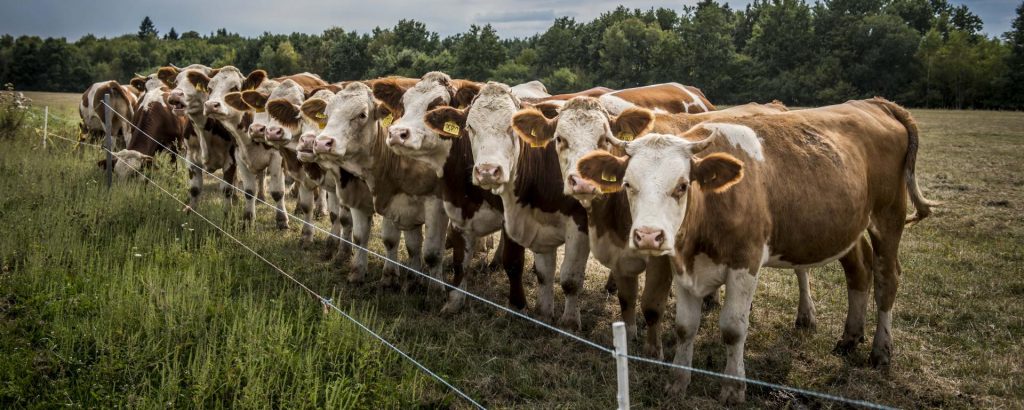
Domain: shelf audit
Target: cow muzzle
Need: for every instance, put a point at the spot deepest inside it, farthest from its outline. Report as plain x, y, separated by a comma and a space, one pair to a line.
214, 109
649, 239
580, 188
177, 102
258, 131
305, 151
324, 145
489, 176
274, 134
402, 137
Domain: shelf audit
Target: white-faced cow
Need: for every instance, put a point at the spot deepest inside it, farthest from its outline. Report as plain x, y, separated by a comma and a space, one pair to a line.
93, 113
474, 212
583, 125
406, 192
537, 214
796, 189
210, 147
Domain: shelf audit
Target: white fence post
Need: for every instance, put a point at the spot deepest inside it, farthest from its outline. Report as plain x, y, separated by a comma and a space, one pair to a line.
46, 123
621, 364
110, 139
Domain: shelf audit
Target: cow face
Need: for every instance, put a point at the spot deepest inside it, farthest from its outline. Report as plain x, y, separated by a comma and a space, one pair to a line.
127, 162
184, 97
658, 173
581, 126
409, 135
227, 80
283, 115
349, 121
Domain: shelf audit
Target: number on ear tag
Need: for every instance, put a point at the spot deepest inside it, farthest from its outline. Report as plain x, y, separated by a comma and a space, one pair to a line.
201, 88
626, 136
609, 177
452, 128
387, 120
321, 116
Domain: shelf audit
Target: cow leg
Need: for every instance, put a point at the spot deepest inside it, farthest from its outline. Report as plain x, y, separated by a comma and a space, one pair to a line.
657, 285
320, 206
345, 233
435, 230
513, 257
545, 267
390, 235
304, 209
227, 187
805, 312
362, 223
627, 286
688, 309
885, 236
261, 186
571, 273
740, 285
497, 261
249, 184
195, 186
277, 187
414, 247
334, 210
856, 266
462, 245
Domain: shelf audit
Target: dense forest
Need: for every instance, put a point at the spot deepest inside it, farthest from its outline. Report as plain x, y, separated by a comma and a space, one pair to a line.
923, 53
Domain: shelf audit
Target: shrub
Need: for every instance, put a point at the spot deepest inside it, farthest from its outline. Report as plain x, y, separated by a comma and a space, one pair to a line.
13, 111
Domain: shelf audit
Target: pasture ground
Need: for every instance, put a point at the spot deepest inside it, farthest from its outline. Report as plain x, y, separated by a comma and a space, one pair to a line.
118, 298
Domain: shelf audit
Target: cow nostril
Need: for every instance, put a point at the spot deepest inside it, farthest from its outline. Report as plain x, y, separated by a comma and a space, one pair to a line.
659, 238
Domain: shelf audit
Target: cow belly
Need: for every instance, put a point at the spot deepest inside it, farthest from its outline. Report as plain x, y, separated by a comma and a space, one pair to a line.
776, 260
485, 220
256, 158
405, 211
538, 231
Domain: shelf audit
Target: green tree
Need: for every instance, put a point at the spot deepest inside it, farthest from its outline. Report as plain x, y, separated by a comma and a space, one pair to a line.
478, 52
147, 29
1014, 80
171, 35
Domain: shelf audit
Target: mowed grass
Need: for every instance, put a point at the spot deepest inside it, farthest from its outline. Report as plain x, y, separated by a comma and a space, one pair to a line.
196, 321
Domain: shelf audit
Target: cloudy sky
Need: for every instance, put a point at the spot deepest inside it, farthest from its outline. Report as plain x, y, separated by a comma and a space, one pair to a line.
74, 18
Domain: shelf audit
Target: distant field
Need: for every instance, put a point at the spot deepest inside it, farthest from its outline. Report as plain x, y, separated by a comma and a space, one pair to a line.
117, 298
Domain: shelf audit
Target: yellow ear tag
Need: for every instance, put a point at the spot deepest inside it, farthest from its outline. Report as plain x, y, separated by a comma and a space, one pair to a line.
321, 124
609, 177
626, 136
200, 88
387, 120
258, 109
452, 128
533, 133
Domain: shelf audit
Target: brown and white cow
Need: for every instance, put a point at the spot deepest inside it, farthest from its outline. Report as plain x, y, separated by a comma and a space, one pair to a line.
583, 125
211, 147
406, 192
537, 214
155, 128
795, 189
662, 98
350, 200
92, 111
474, 212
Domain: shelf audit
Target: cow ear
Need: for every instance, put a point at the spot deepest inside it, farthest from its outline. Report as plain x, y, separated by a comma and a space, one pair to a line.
717, 172
283, 111
168, 75
139, 83
549, 109
234, 100
255, 99
604, 169
447, 122
254, 80
465, 94
389, 93
534, 127
631, 123
329, 87
315, 109
198, 80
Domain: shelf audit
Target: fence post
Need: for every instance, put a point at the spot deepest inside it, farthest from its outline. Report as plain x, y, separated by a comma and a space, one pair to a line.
621, 364
46, 123
109, 143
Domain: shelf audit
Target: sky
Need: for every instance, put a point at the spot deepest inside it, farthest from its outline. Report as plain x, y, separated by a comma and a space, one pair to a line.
511, 18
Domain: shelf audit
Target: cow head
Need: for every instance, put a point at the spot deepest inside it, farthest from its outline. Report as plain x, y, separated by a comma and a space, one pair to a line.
660, 174
349, 123
127, 162
408, 135
227, 80
283, 111
184, 97
581, 126
487, 124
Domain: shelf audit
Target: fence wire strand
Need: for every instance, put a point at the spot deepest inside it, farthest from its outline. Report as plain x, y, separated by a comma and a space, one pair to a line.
797, 390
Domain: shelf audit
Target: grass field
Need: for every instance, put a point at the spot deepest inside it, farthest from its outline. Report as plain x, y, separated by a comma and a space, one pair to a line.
115, 297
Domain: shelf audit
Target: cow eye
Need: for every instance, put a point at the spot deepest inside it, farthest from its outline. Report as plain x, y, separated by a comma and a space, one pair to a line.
234, 89
680, 190
362, 115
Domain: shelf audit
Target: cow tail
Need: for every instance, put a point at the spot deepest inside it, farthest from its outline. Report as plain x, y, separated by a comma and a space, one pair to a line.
922, 205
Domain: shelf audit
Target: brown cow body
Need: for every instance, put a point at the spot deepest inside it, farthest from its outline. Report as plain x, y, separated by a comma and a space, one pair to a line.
92, 111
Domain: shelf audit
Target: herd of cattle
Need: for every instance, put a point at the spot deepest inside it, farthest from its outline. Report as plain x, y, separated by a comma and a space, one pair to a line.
651, 179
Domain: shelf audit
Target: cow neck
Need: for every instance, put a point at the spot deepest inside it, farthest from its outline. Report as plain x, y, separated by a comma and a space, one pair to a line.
157, 122
609, 214
457, 185
534, 187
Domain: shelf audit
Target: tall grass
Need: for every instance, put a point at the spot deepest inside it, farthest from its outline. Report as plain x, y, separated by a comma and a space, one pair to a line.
114, 298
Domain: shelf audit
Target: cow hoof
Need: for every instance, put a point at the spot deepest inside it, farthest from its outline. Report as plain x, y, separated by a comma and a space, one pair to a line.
653, 351
733, 393
570, 322
880, 358
806, 322
282, 224
356, 277
845, 347
611, 287
451, 307
677, 388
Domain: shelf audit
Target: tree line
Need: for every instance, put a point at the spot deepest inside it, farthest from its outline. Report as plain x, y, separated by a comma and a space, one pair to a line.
922, 53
